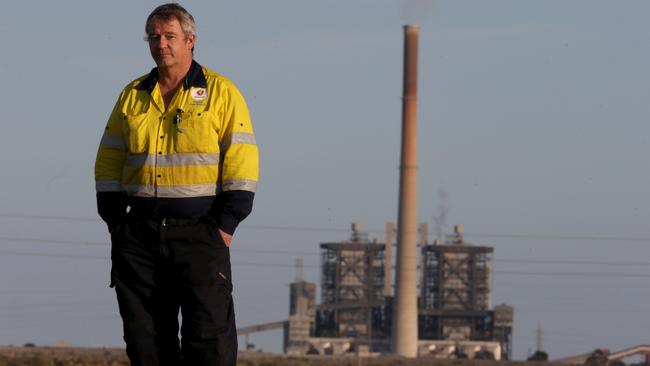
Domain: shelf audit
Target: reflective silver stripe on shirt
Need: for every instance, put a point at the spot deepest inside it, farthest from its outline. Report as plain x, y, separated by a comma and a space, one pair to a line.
239, 185
172, 160
108, 186
192, 190
113, 141
243, 138
239, 138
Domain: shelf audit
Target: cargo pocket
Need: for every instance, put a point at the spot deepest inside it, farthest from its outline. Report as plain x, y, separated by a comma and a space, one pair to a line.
208, 303
117, 231
205, 308
222, 278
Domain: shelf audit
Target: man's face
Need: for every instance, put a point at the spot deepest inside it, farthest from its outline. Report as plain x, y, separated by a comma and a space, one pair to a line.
167, 42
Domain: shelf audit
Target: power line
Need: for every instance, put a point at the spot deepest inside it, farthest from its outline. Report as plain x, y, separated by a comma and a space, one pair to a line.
76, 256
306, 253
298, 228
575, 274
49, 217
254, 227
323, 229
573, 262
26, 254
282, 265
559, 237
105, 243
53, 241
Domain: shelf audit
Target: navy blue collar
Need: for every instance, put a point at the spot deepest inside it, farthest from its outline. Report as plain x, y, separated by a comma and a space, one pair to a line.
195, 77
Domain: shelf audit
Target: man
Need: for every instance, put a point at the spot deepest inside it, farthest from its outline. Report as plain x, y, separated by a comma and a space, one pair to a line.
176, 172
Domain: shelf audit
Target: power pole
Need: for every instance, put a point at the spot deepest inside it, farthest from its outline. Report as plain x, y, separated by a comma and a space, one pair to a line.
299, 270
540, 338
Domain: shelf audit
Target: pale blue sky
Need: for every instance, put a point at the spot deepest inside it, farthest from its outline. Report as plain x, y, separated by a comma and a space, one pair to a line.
532, 118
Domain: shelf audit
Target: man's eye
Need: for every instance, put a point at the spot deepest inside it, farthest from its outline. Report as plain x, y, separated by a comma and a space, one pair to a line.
152, 37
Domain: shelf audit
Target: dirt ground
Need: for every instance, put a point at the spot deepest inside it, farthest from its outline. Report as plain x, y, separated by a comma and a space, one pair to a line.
54, 356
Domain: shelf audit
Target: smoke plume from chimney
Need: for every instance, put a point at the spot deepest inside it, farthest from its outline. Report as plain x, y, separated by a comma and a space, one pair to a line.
416, 11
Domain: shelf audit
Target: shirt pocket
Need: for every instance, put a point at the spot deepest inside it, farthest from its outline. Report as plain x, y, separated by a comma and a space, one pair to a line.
136, 130
196, 133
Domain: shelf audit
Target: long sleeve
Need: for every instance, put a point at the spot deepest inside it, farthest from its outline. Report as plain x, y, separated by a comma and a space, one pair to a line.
232, 207
111, 199
240, 163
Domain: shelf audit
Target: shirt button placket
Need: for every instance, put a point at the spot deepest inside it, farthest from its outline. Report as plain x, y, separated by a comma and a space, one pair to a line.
159, 146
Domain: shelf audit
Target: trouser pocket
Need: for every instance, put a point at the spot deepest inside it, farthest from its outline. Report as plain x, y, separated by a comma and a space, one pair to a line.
202, 263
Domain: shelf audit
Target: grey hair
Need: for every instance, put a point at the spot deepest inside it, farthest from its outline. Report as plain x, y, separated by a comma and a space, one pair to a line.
169, 11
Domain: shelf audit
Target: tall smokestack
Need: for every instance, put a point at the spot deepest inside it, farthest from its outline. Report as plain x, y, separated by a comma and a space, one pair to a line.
405, 316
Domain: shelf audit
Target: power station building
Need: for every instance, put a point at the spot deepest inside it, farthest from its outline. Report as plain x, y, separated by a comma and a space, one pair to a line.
441, 299
455, 317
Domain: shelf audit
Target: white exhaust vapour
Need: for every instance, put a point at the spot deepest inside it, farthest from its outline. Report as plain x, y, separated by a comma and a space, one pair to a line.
416, 11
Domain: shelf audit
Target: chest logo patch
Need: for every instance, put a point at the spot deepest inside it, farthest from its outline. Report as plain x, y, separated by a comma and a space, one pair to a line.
199, 93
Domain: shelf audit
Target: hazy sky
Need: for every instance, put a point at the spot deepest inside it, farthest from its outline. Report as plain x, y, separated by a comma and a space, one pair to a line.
531, 124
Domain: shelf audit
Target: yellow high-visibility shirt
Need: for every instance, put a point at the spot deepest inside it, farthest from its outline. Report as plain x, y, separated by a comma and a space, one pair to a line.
201, 145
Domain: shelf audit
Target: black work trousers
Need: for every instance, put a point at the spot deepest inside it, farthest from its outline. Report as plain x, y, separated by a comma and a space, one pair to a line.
160, 267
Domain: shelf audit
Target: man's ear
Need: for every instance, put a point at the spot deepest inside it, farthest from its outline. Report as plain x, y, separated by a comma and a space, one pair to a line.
190, 41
